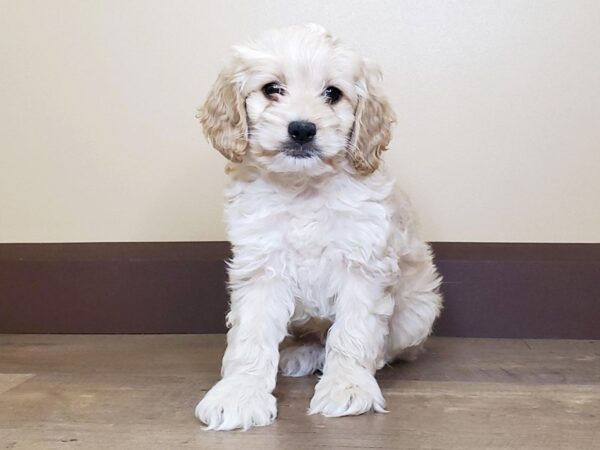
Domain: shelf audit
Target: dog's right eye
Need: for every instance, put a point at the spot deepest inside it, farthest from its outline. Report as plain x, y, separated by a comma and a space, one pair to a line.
270, 90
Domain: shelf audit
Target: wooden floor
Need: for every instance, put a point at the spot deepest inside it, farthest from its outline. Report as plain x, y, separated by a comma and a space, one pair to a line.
139, 392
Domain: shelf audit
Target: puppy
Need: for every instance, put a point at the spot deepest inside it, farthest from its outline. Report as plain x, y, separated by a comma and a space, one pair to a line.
323, 248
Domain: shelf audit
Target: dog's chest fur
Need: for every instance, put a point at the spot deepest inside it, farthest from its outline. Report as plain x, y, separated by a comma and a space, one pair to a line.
308, 235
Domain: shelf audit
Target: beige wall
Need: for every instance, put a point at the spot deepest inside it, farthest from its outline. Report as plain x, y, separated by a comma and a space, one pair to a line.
498, 103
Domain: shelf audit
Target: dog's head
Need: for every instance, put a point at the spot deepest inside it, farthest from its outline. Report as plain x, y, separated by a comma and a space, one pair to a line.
295, 100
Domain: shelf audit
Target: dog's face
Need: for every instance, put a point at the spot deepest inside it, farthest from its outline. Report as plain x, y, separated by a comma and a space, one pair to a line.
297, 101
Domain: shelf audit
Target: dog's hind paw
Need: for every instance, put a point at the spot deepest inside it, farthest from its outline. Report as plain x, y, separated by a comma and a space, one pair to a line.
301, 360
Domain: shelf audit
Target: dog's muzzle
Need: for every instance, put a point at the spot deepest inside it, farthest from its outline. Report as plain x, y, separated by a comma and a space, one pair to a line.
300, 150
301, 143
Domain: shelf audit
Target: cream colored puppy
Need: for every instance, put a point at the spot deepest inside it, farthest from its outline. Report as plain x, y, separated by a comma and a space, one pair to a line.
321, 241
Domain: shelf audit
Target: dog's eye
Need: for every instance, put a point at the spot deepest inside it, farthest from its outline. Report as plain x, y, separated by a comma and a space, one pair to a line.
332, 94
270, 90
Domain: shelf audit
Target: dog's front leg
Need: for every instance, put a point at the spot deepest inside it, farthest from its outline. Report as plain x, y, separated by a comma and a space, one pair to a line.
260, 311
354, 350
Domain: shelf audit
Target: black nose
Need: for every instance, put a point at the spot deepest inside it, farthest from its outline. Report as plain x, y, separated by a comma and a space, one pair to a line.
302, 131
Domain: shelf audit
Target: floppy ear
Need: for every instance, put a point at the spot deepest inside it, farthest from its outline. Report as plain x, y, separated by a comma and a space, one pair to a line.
223, 117
373, 121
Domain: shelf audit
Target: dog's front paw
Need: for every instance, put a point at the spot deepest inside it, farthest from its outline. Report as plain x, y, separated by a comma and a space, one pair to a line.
347, 395
237, 402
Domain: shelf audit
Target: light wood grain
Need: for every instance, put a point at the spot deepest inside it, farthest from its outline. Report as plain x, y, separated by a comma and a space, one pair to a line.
138, 392
10, 380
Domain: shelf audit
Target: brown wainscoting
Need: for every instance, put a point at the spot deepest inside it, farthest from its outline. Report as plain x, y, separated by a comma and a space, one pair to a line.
491, 289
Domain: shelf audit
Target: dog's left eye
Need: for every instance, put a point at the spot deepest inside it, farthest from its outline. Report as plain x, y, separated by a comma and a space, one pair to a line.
270, 90
332, 94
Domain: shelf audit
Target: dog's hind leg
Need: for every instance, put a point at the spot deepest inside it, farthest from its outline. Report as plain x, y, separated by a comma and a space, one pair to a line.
303, 353
301, 359
417, 304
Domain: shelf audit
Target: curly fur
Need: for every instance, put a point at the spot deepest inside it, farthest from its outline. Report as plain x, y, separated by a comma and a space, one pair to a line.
324, 248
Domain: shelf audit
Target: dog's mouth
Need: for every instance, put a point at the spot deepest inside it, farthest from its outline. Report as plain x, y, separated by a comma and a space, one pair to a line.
300, 151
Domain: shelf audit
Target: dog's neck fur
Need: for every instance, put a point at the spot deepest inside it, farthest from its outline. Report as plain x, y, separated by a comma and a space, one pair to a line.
297, 183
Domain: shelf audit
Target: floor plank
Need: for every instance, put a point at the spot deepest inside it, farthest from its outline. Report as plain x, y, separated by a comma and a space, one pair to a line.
138, 392
10, 380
